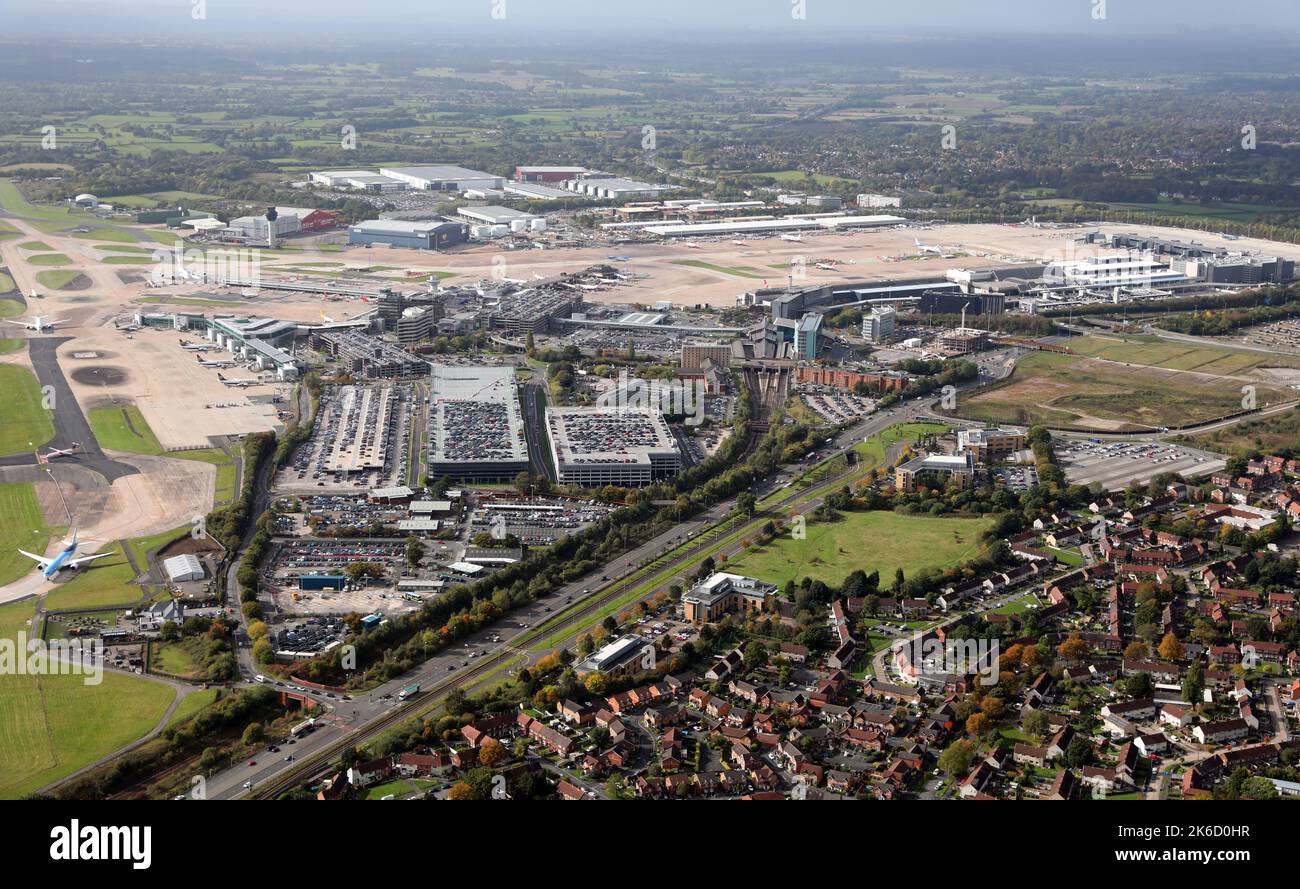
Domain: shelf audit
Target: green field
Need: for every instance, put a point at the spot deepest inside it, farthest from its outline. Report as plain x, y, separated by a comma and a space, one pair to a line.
48, 259
871, 541
58, 279
123, 428
741, 271
35, 246
51, 726
1137, 383
21, 525
24, 423
105, 581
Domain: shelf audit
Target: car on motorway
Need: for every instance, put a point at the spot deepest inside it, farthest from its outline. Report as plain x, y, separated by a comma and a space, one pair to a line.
289, 758
252, 762
248, 785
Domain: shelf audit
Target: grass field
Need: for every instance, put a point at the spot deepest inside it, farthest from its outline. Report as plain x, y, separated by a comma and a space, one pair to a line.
24, 423
21, 525
871, 541
48, 259
192, 703
9, 307
51, 726
105, 581
1117, 385
35, 246
738, 271
123, 428
57, 279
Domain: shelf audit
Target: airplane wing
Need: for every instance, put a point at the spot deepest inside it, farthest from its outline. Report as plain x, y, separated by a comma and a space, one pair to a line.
75, 563
12, 321
40, 560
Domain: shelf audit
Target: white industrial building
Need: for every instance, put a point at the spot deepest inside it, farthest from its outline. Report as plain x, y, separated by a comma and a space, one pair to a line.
615, 188
1122, 270
878, 201
360, 180
443, 177
184, 567
493, 215
770, 226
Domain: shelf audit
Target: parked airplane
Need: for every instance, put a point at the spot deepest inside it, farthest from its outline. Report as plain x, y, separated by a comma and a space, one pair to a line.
738, 242
51, 567
828, 266
195, 347
928, 248
38, 323
798, 239
240, 383
693, 245
215, 362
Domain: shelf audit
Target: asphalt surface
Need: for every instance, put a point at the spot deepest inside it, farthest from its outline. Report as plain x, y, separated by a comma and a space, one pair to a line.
70, 424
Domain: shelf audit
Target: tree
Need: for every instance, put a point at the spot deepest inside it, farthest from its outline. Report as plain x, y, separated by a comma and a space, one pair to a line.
492, 752
746, 503
1036, 723
977, 724
461, 790
1073, 648
597, 683
1170, 648
956, 758
253, 734
414, 551
1078, 752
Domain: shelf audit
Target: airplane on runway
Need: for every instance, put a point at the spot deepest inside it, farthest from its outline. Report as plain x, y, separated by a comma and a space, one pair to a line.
57, 452
51, 567
827, 266
240, 383
215, 362
38, 323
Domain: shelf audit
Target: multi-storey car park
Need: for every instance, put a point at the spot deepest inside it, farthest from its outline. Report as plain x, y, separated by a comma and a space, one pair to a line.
359, 439
595, 446
476, 427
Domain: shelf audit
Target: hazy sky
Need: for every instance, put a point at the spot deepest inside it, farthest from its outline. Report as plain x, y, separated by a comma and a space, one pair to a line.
300, 20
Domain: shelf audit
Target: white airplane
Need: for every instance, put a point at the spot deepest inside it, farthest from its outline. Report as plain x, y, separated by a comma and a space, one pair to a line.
57, 452
51, 567
739, 243
928, 248
798, 239
239, 383
195, 347
828, 266
692, 245
38, 323
215, 362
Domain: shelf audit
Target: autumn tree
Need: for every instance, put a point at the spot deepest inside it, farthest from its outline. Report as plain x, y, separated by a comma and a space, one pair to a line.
1170, 648
492, 752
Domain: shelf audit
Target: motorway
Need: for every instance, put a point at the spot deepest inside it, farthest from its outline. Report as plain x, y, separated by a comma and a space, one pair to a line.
478, 660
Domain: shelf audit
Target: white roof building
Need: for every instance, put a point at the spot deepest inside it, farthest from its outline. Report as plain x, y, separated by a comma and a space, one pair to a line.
184, 567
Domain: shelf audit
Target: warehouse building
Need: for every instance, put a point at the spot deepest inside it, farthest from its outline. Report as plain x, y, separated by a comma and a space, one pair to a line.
548, 174
431, 235
358, 180
615, 188
493, 215
476, 426
536, 191
183, 568
596, 446
443, 177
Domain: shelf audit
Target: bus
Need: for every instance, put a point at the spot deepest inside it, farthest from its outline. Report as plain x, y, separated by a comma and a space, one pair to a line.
408, 692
